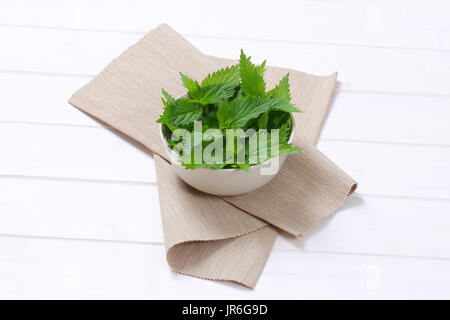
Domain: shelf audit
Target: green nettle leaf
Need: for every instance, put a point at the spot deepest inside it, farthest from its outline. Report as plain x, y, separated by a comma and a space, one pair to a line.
193, 166
284, 132
272, 148
283, 150
283, 147
220, 85
189, 84
252, 81
261, 68
169, 98
214, 93
234, 97
217, 86
282, 90
277, 118
209, 118
282, 105
263, 120
237, 113
180, 113
228, 75
167, 101
223, 114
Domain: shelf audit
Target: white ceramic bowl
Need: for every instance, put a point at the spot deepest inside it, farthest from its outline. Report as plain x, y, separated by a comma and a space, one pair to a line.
227, 182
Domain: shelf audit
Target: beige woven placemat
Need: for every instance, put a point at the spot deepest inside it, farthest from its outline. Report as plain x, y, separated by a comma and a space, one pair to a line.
207, 236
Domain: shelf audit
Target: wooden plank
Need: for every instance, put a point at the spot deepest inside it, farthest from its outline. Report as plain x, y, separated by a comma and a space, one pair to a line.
353, 116
123, 212
82, 210
414, 23
388, 118
72, 152
381, 225
45, 268
394, 169
41, 98
60, 51
361, 68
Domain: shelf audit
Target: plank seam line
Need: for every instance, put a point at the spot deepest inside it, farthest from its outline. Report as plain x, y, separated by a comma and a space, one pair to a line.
136, 242
59, 124
392, 93
44, 73
25, 236
393, 196
233, 38
148, 183
337, 90
78, 180
337, 44
366, 254
387, 142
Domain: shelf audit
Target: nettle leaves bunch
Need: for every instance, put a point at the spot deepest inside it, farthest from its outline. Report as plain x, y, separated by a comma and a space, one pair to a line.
229, 107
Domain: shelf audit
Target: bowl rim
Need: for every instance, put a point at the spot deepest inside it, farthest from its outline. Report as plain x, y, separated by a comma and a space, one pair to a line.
173, 154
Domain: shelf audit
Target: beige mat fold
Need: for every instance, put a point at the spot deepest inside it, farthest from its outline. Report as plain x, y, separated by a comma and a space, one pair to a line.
206, 236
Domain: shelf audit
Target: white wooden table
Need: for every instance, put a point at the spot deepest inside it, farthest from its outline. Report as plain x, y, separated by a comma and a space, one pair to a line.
79, 214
